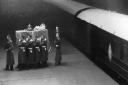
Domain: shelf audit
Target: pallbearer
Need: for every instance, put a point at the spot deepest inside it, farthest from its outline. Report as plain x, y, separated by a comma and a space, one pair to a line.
22, 54
30, 53
44, 52
37, 57
10, 56
58, 48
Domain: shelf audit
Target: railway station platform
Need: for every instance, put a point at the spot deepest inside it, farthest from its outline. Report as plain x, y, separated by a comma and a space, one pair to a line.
76, 69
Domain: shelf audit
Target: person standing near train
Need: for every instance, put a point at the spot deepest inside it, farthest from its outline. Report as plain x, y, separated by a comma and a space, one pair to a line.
9, 56
58, 56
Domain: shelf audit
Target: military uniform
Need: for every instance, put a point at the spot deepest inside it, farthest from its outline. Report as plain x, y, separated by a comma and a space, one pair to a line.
30, 54
58, 52
44, 53
22, 56
37, 57
58, 57
9, 56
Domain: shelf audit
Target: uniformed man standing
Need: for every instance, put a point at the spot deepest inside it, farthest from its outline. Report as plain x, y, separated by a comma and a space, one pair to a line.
58, 57
10, 56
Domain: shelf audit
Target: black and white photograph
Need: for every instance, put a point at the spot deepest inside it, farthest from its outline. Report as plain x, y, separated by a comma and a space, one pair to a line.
63, 42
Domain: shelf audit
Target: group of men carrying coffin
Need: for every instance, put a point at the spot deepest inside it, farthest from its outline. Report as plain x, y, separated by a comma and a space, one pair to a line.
34, 53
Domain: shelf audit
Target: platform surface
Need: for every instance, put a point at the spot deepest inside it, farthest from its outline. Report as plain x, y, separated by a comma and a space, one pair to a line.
76, 69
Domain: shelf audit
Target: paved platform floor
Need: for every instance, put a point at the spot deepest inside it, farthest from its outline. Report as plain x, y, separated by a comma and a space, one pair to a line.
76, 69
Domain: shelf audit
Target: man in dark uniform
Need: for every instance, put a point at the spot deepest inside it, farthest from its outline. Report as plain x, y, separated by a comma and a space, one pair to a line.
10, 56
30, 53
58, 57
22, 55
37, 57
44, 52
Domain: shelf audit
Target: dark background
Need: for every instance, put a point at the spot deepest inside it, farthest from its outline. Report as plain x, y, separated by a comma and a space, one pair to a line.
17, 14
120, 6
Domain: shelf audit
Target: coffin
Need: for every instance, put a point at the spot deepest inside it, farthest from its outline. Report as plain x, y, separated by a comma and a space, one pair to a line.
23, 34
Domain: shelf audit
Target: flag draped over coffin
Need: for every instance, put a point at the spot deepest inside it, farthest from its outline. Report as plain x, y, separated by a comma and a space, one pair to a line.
23, 34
